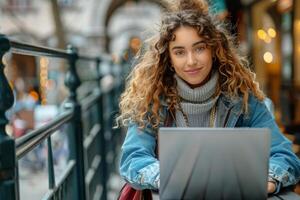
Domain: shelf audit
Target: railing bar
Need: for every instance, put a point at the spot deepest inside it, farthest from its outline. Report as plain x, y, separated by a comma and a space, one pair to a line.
50, 165
102, 57
31, 144
93, 133
96, 162
109, 88
87, 58
34, 50
56, 123
69, 168
22, 150
17, 181
89, 176
92, 171
102, 138
89, 101
26, 145
89, 79
98, 192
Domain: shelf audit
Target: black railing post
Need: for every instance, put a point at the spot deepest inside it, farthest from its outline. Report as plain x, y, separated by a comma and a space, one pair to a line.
8, 181
104, 175
72, 81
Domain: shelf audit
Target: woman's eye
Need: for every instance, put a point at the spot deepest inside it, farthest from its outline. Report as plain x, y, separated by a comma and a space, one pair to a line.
200, 48
179, 53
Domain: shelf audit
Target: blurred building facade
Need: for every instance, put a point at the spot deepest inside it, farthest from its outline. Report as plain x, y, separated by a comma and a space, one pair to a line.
266, 29
275, 42
93, 26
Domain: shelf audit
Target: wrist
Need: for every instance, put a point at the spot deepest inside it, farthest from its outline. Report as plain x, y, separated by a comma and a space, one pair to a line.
276, 184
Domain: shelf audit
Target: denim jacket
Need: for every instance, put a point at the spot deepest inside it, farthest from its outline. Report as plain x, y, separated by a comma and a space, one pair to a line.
140, 168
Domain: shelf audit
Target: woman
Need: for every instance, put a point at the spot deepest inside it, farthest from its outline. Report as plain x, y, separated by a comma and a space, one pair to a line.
193, 71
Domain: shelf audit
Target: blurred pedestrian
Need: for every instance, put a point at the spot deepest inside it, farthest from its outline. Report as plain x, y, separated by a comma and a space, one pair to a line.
129, 55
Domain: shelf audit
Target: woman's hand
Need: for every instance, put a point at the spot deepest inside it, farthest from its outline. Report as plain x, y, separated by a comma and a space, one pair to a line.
271, 187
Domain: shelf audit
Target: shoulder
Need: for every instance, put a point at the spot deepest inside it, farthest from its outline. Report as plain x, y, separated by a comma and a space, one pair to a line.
148, 128
255, 106
259, 112
253, 101
265, 105
134, 129
135, 133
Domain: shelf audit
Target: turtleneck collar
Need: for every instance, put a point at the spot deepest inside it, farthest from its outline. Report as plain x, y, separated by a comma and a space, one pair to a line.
200, 94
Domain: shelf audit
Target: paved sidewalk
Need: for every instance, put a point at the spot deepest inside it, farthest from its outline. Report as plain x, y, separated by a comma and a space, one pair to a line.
34, 184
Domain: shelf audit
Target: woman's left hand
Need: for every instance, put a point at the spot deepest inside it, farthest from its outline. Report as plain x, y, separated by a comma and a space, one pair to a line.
271, 187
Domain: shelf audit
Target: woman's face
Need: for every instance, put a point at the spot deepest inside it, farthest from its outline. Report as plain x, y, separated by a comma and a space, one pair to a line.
190, 56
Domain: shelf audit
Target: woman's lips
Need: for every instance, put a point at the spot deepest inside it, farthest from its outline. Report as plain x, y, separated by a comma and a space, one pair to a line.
192, 71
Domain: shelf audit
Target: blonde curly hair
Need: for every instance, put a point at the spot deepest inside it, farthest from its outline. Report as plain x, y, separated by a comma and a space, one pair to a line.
152, 80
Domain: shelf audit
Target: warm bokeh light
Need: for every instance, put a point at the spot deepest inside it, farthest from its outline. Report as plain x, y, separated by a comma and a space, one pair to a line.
284, 5
268, 40
44, 62
34, 95
272, 32
268, 57
261, 34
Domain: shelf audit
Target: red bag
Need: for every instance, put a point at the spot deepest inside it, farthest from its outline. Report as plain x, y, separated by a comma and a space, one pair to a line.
129, 193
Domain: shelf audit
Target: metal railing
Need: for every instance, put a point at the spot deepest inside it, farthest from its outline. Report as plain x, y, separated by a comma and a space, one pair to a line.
92, 141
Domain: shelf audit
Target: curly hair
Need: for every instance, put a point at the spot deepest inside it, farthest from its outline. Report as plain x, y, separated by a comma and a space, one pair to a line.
152, 80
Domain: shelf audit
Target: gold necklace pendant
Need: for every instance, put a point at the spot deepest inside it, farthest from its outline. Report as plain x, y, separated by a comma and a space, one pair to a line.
212, 116
186, 121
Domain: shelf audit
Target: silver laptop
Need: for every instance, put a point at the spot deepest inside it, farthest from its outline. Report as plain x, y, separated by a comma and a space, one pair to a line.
213, 163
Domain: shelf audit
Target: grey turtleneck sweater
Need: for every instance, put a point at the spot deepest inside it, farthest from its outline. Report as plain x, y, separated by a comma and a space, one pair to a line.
196, 103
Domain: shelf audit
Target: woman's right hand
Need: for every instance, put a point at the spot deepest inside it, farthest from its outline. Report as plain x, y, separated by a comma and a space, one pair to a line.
271, 187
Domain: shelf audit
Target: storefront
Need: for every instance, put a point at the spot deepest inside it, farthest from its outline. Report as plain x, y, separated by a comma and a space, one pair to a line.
296, 25
276, 54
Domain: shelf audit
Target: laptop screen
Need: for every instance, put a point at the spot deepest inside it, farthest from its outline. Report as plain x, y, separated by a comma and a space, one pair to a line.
213, 163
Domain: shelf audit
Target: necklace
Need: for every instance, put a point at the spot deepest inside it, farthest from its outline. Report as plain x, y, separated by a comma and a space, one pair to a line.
212, 116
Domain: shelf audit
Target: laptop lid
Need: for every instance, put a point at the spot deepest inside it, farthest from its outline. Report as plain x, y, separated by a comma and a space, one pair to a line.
213, 163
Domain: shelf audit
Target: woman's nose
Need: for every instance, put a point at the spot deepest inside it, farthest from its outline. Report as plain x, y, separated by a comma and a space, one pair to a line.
191, 60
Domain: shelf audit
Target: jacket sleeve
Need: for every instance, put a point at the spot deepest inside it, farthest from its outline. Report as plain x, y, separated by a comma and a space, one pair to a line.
138, 165
284, 165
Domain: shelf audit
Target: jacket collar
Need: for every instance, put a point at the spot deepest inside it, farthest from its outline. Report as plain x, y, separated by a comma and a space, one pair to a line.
232, 102
229, 110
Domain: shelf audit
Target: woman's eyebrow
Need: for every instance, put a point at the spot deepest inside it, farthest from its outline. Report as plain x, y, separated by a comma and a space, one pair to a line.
199, 42
195, 44
177, 47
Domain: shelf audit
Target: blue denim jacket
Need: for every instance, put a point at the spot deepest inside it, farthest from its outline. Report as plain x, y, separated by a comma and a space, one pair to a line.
140, 168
